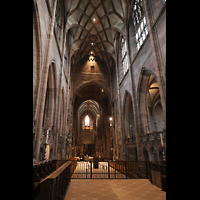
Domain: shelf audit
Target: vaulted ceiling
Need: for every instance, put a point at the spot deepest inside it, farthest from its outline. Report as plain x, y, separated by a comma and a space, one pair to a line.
89, 105
94, 25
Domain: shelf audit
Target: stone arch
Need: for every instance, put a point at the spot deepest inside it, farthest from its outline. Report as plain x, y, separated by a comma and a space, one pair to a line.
128, 127
91, 83
145, 118
93, 92
52, 89
128, 118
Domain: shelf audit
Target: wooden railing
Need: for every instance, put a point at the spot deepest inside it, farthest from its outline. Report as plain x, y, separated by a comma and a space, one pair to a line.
73, 165
130, 168
50, 179
157, 174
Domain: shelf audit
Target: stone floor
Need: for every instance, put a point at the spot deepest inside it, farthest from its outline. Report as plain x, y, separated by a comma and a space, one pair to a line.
113, 189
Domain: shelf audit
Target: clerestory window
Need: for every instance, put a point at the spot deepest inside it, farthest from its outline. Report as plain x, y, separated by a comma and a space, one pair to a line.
139, 22
124, 55
142, 33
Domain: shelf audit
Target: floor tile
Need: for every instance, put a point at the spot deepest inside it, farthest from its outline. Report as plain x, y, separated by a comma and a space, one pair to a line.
116, 189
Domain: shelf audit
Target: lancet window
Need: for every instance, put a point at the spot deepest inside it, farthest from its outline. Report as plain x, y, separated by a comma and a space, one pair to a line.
124, 55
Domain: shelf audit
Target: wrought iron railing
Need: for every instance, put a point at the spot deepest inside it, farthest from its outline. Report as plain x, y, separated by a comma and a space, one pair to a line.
110, 170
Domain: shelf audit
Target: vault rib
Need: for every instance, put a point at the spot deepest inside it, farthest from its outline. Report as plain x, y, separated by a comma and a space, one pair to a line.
104, 47
88, 3
122, 7
102, 30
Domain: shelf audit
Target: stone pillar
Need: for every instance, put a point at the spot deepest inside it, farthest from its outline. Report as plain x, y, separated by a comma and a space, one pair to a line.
58, 128
64, 108
44, 83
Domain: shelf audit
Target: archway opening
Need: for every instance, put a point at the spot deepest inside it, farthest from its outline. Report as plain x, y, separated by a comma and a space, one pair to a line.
150, 107
129, 129
91, 123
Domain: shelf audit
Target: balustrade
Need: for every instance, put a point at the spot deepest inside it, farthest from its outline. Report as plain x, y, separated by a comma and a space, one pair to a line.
153, 136
129, 139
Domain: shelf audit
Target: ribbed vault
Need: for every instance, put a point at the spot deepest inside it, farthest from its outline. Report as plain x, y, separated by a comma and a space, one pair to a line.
89, 105
94, 25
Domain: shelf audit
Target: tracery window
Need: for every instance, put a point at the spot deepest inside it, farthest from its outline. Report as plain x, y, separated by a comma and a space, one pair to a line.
124, 55
141, 33
139, 22
138, 10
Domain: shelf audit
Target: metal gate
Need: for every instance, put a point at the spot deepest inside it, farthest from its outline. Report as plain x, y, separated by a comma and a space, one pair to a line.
109, 170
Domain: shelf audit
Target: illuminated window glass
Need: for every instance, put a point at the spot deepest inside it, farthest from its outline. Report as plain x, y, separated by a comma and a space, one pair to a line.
141, 33
138, 12
87, 120
124, 55
139, 22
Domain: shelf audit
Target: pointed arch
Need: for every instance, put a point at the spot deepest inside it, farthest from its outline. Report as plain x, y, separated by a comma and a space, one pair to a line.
128, 118
51, 91
142, 88
91, 83
148, 96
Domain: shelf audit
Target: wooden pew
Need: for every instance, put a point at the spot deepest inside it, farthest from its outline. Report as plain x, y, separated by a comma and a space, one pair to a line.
53, 185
